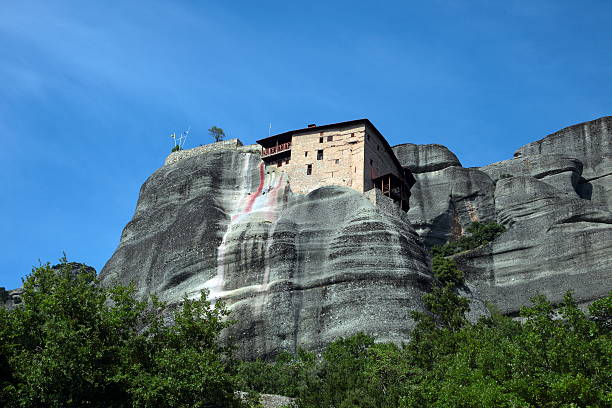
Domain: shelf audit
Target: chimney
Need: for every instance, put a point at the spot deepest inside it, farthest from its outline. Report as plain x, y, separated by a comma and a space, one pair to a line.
312, 125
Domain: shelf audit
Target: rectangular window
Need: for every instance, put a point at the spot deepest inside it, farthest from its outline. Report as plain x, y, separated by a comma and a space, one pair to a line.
308, 169
305, 154
330, 138
367, 137
371, 162
319, 154
279, 163
320, 140
352, 134
337, 161
377, 147
287, 161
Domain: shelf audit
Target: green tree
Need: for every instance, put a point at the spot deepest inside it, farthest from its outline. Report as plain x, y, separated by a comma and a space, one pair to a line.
216, 133
74, 343
477, 234
558, 356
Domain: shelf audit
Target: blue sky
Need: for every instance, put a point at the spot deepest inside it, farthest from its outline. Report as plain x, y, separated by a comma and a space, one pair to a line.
90, 91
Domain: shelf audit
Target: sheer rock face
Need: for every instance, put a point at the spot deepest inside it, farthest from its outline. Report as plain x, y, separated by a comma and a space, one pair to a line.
302, 270
425, 158
446, 197
557, 170
591, 144
444, 202
555, 242
554, 198
296, 270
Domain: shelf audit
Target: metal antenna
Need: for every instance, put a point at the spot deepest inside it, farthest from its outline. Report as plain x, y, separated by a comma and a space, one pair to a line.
269, 129
173, 136
183, 137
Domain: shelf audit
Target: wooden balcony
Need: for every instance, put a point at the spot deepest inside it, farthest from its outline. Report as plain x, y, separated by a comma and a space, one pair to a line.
271, 151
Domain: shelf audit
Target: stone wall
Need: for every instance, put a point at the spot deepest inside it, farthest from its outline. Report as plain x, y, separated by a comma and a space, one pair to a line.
230, 144
384, 203
342, 162
352, 156
380, 158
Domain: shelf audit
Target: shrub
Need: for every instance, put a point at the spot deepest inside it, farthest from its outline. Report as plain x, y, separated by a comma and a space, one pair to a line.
478, 233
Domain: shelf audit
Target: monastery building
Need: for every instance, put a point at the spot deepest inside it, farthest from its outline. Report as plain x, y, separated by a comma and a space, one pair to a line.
353, 154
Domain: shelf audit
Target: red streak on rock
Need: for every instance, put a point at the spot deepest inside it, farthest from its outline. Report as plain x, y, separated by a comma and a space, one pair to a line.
253, 197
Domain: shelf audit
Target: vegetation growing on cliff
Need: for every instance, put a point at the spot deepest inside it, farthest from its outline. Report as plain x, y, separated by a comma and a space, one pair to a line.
478, 233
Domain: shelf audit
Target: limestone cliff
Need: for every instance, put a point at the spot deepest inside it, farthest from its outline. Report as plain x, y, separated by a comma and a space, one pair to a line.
296, 270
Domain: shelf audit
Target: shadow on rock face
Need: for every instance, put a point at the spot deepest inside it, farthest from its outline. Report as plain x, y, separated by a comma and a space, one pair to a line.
296, 270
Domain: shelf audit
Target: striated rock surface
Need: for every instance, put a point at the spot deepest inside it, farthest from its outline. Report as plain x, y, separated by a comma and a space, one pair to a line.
591, 144
425, 158
555, 242
303, 270
557, 170
446, 197
554, 198
445, 202
296, 270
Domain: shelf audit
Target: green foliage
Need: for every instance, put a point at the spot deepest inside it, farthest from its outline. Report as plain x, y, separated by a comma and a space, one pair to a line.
3, 295
216, 133
286, 376
74, 343
445, 271
447, 309
478, 233
176, 148
557, 357
601, 314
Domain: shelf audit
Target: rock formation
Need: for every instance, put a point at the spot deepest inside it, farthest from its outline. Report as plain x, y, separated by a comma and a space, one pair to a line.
446, 197
591, 144
302, 270
554, 197
296, 270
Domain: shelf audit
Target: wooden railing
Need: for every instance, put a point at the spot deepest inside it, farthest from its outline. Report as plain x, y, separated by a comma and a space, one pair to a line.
275, 149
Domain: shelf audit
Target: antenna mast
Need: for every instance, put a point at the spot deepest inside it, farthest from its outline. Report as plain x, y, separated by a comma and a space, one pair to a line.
180, 140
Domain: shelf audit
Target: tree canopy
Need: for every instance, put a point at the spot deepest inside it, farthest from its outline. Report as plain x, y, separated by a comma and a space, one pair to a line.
74, 343
216, 133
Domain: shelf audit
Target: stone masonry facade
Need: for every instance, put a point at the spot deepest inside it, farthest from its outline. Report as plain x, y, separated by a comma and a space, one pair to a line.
352, 154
